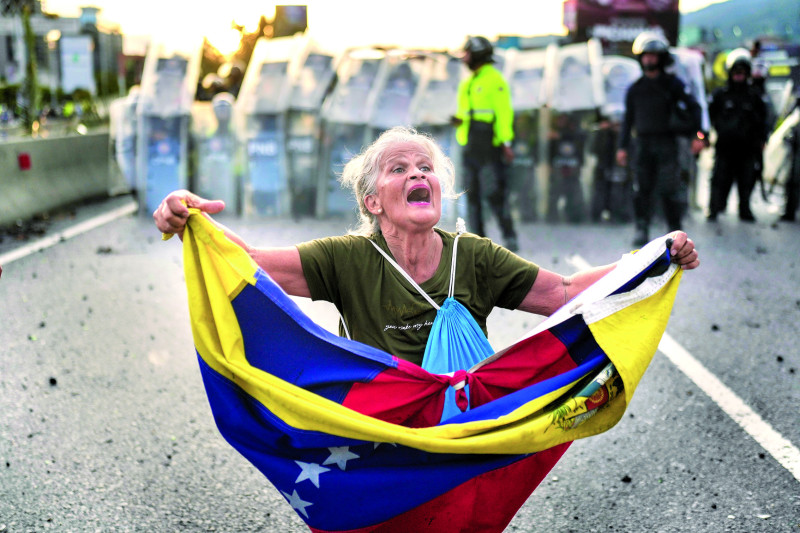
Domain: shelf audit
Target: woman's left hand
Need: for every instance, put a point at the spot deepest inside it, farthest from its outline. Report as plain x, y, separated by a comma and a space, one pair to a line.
683, 251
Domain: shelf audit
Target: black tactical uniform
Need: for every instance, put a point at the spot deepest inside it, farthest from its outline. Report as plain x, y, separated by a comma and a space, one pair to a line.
651, 104
656, 168
739, 117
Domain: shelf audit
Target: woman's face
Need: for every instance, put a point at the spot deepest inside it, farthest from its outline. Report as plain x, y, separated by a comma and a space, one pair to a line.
408, 192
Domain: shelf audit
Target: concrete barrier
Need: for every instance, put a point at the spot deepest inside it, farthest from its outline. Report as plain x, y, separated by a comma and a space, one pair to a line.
40, 175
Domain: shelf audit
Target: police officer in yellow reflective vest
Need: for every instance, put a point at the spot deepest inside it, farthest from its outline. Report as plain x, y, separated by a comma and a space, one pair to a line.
485, 129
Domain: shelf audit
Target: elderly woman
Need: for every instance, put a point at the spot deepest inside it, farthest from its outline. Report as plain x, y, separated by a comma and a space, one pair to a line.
399, 182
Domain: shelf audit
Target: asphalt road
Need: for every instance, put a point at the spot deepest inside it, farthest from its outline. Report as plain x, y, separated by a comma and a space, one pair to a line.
105, 425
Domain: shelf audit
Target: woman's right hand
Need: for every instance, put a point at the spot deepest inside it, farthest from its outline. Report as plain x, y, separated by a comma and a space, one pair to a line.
171, 216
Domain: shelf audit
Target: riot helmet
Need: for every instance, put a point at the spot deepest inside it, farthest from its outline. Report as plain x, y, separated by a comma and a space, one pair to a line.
760, 69
739, 58
652, 43
222, 105
480, 51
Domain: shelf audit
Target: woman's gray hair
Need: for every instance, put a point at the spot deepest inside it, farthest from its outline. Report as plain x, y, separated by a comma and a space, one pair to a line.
361, 173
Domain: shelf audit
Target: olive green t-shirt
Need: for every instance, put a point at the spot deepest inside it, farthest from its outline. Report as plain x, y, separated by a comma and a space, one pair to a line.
382, 309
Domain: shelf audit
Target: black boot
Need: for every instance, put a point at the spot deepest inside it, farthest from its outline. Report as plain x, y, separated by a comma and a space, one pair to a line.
746, 216
640, 237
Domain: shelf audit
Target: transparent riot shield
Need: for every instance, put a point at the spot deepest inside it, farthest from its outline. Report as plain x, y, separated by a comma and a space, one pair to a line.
165, 151
611, 185
574, 89
216, 172
302, 159
265, 190
567, 153
525, 75
122, 138
688, 65
314, 80
344, 126
437, 103
169, 82
397, 86
115, 176
432, 113
619, 73
499, 59
778, 154
261, 110
575, 83
783, 80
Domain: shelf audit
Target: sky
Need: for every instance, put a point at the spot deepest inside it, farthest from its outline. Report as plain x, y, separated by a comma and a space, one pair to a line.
337, 23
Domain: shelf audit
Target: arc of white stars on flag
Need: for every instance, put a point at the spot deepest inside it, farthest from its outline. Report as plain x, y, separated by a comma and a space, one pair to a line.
339, 456
311, 472
297, 502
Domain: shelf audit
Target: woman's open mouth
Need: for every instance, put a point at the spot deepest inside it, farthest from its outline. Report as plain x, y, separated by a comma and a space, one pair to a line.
419, 195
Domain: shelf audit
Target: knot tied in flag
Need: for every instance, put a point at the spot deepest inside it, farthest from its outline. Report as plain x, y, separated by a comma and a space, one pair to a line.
459, 380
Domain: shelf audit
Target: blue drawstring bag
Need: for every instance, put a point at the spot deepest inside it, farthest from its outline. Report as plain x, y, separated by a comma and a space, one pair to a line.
456, 342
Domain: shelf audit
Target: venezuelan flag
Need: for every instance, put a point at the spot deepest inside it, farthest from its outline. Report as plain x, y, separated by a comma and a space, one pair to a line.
351, 436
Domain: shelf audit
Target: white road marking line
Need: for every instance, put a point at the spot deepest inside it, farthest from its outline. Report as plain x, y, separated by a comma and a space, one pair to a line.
72, 231
780, 448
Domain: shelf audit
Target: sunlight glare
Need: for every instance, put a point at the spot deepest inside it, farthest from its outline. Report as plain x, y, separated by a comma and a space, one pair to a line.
222, 33
225, 40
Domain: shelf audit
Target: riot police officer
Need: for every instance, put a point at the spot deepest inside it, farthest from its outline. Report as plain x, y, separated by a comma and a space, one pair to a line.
739, 117
485, 120
216, 172
651, 104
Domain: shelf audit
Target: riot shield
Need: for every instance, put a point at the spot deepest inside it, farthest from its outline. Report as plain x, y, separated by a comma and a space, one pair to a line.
397, 86
778, 152
574, 89
122, 138
688, 66
344, 126
317, 71
169, 83
619, 73
261, 110
215, 146
525, 75
783, 80
575, 80
611, 186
